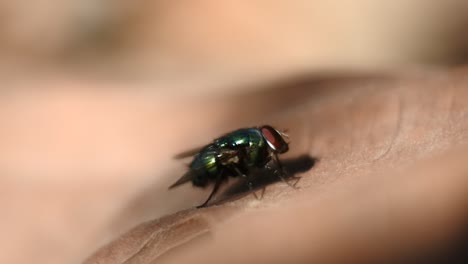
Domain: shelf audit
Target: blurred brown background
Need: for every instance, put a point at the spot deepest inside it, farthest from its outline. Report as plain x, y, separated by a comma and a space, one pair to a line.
65, 180
220, 40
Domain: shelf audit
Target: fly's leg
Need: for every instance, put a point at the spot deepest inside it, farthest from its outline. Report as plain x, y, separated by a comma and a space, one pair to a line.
215, 189
252, 190
218, 182
282, 173
262, 193
249, 183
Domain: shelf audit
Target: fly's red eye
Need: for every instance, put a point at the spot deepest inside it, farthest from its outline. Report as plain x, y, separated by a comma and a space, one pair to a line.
269, 137
274, 139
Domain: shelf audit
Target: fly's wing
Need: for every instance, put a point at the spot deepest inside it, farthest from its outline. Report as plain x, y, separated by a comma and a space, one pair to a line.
225, 156
188, 153
192, 152
188, 176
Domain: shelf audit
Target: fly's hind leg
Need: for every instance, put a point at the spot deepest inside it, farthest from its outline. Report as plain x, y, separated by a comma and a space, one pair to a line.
218, 182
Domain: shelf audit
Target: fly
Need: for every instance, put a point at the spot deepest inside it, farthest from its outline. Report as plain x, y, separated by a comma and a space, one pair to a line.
234, 155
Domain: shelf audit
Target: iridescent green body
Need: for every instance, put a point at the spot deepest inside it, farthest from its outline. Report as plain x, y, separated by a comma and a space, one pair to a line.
234, 155
249, 140
211, 162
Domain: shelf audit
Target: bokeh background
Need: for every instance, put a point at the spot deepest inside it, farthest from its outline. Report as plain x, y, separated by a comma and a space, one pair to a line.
225, 41
71, 68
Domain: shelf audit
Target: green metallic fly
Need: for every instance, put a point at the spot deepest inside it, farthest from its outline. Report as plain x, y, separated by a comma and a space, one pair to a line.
234, 155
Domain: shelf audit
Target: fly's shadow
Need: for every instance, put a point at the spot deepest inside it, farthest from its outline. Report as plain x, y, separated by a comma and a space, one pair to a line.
263, 177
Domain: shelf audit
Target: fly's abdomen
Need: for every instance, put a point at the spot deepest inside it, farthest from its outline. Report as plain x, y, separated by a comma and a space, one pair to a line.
204, 167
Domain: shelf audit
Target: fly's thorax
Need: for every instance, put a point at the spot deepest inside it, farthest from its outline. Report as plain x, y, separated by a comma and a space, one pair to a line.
250, 144
257, 152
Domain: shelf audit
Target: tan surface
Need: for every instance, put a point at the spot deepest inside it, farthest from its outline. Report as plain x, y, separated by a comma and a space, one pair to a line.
391, 180
96, 97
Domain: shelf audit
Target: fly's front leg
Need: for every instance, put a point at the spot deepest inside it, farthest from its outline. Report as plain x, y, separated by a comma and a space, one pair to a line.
249, 182
282, 173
